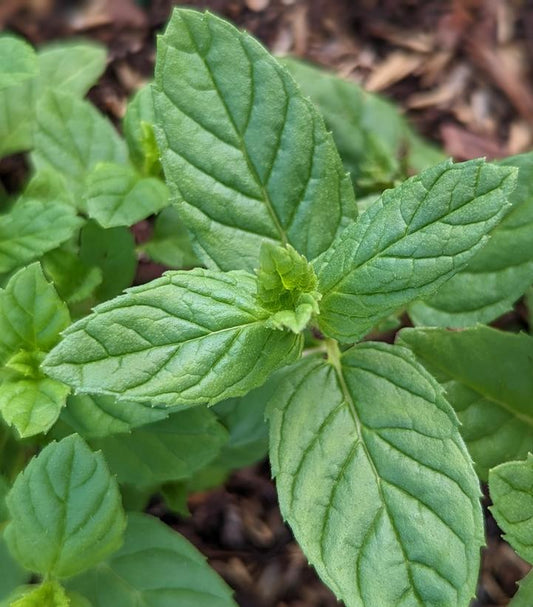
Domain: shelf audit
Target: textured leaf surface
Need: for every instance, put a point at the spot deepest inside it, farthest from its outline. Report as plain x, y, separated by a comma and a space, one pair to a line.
113, 251
408, 243
247, 157
186, 338
170, 243
171, 449
71, 67
374, 141
34, 225
95, 416
72, 137
31, 314
156, 567
375, 480
17, 61
118, 196
66, 513
498, 274
32, 405
17, 118
524, 596
47, 594
488, 377
511, 491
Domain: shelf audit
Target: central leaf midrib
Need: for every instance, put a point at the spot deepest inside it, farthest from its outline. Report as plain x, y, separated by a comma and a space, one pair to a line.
353, 410
266, 197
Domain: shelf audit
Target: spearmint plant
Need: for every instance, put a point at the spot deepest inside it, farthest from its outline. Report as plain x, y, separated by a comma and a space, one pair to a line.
163, 389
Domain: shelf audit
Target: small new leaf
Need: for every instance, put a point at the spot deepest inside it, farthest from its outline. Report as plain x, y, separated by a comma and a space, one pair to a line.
511, 491
183, 339
408, 243
66, 512
47, 594
287, 286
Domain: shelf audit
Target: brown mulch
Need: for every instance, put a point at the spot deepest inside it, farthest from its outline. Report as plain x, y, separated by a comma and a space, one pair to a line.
460, 69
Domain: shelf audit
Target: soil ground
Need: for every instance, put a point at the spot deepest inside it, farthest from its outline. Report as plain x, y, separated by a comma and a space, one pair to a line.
461, 71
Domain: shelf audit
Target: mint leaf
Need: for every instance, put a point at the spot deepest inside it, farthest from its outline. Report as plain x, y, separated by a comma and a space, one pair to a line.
139, 132
375, 480
246, 155
118, 196
71, 67
73, 279
72, 137
34, 225
408, 243
170, 449
31, 314
17, 63
170, 243
113, 251
95, 416
17, 118
31, 318
488, 380
524, 596
156, 567
183, 339
287, 286
374, 141
511, 491
66, 514
12, 573
498, 274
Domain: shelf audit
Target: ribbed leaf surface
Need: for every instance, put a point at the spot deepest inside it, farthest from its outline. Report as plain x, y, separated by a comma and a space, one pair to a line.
408, 243
375, 480
246, 156
184, 339
66, 511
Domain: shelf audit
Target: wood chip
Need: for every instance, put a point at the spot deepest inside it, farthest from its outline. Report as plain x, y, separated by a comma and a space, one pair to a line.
394, 68
257, 5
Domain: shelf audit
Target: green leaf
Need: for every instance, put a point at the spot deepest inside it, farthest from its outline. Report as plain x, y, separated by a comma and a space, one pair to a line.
156, 567
168, 450
47, 594
247, 157
31, 318
118, 196
375, 480
511, 491
498, 274
32, 405
183, 339
12, 573
71, 67
113, 251
524, 596
99, 416
488, 377
17, 63
170, 243
287, 286
17, 118
73, 279
139, 132
34, 225
374, 141
408, 243
31, 314
72, 137
66, 514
